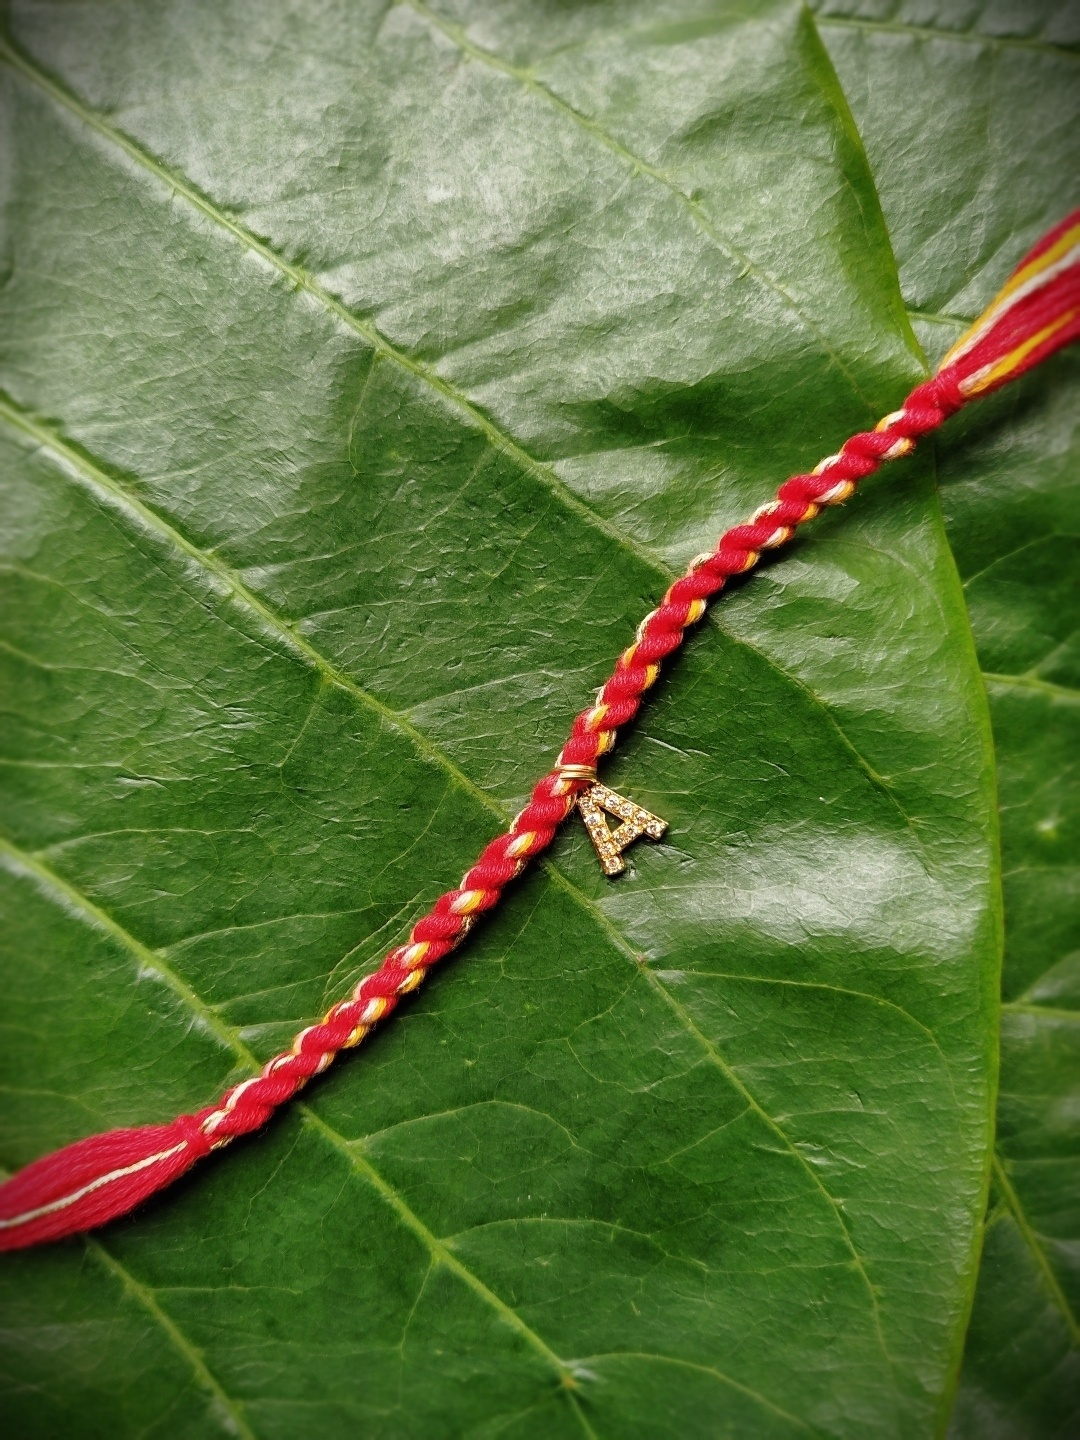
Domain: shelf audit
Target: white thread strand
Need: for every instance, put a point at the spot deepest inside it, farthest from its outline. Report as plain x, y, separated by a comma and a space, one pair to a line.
88, 1189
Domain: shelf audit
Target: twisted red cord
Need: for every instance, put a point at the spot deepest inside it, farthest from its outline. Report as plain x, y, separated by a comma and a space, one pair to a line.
104, 1176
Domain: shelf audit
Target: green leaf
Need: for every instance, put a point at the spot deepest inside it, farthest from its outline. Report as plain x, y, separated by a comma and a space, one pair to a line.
1015, 500
368, 371
1012, 508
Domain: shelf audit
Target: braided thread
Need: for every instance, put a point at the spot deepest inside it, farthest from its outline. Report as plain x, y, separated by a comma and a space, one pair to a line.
247, 1106
96, 1179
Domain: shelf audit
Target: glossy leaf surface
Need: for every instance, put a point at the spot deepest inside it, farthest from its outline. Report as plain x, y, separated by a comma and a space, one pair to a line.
367, 371
1010, 478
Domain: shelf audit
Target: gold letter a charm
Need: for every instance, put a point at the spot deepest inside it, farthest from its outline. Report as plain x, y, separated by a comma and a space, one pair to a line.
610, 844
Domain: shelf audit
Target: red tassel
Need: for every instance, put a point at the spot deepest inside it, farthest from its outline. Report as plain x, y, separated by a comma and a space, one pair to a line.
95, 1180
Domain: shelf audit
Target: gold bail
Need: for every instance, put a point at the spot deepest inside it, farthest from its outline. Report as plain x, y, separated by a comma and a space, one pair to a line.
609, 844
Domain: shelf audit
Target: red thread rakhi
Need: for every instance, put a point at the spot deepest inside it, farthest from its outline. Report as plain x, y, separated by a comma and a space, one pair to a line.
99, 1178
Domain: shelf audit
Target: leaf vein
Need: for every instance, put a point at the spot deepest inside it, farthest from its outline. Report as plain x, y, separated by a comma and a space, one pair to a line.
92, 474
144, 1295
934, 32
1034, 682
300, 278
230, 1038
456, 34
703, 1370
1039, 1255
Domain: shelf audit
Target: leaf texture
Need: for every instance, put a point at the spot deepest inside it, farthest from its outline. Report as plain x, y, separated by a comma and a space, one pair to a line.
366, 372
1009, 477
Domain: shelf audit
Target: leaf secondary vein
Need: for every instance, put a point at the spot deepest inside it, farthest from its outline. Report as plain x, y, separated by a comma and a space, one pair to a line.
234, 586
933, 32
204, 1376
939, 317
1039, 1255
1047, 1012
498, 438
303, 281
84, 467
773, 1126
230, 1039
650, 1355
457, 35
1034, 682
88, 911
442, 1255
828, 989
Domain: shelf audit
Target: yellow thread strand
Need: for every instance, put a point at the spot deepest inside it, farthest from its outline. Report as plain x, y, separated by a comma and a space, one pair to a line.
838, 494
467, 902
984, 379
1042, 262
1022, 284
903, 446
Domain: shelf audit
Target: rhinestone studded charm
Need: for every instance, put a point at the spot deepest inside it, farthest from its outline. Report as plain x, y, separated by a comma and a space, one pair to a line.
609, 844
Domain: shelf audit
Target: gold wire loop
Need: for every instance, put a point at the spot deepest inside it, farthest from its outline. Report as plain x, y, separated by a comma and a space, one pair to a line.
577, 772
